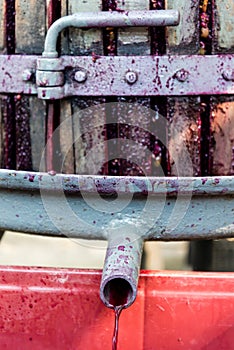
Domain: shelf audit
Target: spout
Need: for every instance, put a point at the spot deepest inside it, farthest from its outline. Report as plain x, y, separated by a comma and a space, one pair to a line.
121, 269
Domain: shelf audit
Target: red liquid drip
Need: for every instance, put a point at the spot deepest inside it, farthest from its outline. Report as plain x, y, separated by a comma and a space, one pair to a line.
117, 311
119, 294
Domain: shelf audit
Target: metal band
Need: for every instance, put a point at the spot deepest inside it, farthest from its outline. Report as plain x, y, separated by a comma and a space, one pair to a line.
155, 76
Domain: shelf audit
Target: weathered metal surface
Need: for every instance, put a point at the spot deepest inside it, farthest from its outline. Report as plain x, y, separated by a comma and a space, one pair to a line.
163, 208
108, 19
121, 268
13, 68
157, 76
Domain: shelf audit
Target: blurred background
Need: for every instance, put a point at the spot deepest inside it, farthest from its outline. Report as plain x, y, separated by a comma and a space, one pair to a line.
18, 248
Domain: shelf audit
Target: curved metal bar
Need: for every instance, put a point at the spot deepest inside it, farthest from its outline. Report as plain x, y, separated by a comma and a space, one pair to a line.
108, 19
41, 203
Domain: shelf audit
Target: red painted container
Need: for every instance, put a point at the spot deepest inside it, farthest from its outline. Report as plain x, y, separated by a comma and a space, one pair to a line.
60, 309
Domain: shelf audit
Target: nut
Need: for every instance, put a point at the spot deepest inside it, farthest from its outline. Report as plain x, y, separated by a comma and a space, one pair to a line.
80, 76
182, 75
131, 77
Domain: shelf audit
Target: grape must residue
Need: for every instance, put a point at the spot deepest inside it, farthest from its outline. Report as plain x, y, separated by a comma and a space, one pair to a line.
117, 311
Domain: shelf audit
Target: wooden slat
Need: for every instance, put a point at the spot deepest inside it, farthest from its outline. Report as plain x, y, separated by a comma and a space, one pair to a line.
30, 112
222, 119
223, 132
2, 31
1, 133
133, 41
183, 145
89, 135
30, 26
76, 41
184, 38
37, 131
2, 43
7, 102
225, 26
79, 114
67, 137
23, 137
134, 126
183, 112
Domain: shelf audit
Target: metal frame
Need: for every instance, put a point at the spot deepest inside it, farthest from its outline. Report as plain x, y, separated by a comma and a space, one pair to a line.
201, 208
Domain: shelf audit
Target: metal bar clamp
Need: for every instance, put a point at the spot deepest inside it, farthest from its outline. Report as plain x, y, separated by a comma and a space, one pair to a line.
50, 69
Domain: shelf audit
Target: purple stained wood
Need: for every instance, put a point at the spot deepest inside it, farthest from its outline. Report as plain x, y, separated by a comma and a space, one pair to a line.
9, 161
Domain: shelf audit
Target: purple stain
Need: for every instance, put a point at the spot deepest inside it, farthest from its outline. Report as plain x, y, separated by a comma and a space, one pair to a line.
122, 257
31, 177
121, 247
204, 181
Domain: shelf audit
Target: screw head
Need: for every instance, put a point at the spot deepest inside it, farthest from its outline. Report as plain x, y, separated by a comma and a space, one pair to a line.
131, 77
80, 76
27, 75
228, 74
182, 75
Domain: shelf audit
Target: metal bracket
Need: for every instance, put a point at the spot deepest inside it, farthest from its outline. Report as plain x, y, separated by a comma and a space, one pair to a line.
118, 76
50, 77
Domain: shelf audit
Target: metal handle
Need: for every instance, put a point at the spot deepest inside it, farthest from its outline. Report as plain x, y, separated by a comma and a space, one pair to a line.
108, 19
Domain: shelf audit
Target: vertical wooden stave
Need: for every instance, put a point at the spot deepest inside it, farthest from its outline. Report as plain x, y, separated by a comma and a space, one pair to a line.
185, 119
2, 46
222, 117
30, 112
7, 101
52, 151
84, 117
133, 126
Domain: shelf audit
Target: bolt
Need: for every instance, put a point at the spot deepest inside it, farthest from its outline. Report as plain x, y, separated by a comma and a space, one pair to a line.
182, 75
27, 75
80, 76
228, 74
131, 77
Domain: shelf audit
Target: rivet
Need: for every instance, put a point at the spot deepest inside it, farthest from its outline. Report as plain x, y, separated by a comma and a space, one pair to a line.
27, 75
228, 74
131, 77
182, 75
80, 76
